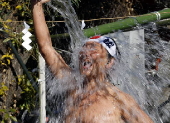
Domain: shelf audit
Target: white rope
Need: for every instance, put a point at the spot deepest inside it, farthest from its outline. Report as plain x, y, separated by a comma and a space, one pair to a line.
40, 81
158, 15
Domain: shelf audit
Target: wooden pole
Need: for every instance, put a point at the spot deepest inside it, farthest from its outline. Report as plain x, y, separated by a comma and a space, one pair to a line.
42, 90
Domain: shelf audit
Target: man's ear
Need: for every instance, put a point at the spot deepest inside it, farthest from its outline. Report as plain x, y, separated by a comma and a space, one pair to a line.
110, 63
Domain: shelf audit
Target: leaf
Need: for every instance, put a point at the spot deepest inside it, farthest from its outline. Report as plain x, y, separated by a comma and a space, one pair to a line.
8, 61
30, 21
9, 20
12, 110
27, 89
5, 26
4, 4
7, 56
1, 93
2, 110
6, 116
5, 88
19, 7
6, 40
2, 121
3, 64
23, 13
13, 118
28, 83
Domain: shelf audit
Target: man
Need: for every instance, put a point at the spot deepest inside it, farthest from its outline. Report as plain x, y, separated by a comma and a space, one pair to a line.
99, 101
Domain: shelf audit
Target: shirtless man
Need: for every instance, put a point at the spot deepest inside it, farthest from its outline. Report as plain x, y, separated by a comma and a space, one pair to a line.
107, 104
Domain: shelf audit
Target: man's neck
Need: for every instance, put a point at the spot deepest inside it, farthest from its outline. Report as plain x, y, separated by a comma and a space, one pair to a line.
95, 81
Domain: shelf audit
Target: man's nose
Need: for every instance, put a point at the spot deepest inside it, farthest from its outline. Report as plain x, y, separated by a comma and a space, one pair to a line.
85, 54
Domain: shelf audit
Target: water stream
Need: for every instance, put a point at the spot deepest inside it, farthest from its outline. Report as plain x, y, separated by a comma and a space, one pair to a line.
154, 84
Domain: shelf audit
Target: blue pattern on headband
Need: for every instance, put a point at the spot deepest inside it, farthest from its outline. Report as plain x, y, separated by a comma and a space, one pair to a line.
108, 42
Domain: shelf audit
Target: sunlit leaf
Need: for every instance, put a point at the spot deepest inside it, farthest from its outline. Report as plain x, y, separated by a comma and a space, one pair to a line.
13, 118
5, 88
4, 64
2, 121
23, 13
6, 116
4, 4
2, 110
7, 56
5, 26
12, 110
8, 61
19, 7
9, 20
6, 40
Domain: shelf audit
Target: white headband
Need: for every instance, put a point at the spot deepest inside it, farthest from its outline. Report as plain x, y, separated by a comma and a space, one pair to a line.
106, 42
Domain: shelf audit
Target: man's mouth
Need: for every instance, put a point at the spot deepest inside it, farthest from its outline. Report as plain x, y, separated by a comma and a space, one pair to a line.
87, 64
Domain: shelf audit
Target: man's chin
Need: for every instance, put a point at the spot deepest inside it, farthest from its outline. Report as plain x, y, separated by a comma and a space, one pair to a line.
86, 73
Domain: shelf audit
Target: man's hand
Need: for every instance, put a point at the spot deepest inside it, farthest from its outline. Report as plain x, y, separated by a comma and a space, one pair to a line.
42, 1
45, 1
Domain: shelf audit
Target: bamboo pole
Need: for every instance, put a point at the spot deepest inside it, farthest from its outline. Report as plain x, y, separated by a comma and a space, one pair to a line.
163, 22
123, 24
127, 23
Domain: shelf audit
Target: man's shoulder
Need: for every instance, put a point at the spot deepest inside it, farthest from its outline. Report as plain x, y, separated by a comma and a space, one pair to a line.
120, 95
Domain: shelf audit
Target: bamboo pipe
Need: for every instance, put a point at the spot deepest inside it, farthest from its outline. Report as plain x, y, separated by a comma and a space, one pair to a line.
123, 24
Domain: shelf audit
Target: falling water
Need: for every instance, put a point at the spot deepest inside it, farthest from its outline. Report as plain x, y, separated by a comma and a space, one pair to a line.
150, 93
157, 89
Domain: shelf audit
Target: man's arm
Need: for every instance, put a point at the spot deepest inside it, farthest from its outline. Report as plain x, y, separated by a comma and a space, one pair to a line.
52, 58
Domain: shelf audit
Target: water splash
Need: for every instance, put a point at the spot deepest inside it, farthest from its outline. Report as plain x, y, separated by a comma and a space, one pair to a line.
158, 89
65, 8
148, 94
67, 11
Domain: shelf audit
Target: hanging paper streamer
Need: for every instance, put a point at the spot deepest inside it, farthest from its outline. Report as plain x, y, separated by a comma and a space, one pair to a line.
82, 25
26, 38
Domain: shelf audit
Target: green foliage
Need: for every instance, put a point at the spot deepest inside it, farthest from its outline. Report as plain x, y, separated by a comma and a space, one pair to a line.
3, 89
28, 93
7, 115
11, 11
19, 8
5, 60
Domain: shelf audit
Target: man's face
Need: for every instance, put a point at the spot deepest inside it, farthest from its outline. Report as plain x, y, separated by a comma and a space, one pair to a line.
93, 58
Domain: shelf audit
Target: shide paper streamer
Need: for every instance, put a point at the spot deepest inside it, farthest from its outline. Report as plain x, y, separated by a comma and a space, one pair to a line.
26, 38
82, 25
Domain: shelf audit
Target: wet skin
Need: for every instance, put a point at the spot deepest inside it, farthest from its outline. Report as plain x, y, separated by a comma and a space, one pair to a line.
106, 105
99, 101
92, 57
